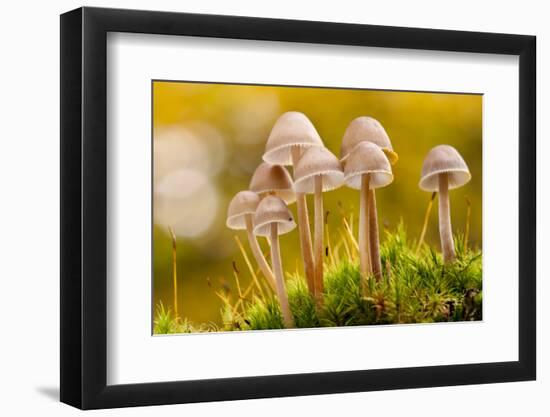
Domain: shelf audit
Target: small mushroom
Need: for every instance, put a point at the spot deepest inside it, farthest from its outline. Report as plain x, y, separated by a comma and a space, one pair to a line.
273, 218
271, 179
291, 135
444, 169
240, 216
368, 168
317, 171
368, 129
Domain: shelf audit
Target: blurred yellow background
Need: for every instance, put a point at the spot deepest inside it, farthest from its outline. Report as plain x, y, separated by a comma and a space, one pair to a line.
209, 138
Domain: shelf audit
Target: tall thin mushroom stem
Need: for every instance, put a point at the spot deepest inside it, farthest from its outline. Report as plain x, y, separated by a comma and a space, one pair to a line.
174, 271
318, 236
445, 228
304, 229
257, 252
364, 256
278, 270
373, 236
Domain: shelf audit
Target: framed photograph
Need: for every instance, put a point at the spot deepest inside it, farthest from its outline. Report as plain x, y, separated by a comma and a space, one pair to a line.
258, 208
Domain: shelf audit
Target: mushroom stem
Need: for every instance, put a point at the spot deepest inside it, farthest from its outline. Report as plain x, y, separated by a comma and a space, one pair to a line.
318, 236
278, 270
364, 256
425, 225
174, 271
373, 236
445, 228
257, 252
304, 230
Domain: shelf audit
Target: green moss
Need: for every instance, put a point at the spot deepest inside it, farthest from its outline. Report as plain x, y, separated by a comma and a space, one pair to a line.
165, 323
415, 288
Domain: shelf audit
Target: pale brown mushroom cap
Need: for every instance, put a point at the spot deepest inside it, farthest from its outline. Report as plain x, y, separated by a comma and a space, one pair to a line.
244, 202
443, 159
368, 158
314, 162
291, 129
273, 210
367, 129
273, 179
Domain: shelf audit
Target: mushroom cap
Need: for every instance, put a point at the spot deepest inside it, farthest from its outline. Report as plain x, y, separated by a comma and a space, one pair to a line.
273, 179
272, 209
291, 129
368, 158
367, 129
244, 202
443, 159
317, 161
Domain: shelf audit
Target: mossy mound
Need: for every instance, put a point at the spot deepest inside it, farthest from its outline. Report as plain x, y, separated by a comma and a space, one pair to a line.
414, 288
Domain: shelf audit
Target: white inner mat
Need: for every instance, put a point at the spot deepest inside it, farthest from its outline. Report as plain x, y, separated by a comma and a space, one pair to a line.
135, 356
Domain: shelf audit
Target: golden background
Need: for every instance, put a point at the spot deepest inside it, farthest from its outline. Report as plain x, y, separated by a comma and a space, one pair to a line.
209, 138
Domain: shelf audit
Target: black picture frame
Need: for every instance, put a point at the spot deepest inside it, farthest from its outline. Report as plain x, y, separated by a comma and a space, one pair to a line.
84, 207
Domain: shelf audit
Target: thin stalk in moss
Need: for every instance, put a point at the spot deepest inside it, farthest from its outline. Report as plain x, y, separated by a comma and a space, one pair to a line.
249, 265
174, 271
425, 224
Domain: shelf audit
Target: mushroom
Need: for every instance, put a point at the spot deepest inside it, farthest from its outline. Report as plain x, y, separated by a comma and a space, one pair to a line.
291, 135
367, 168
240, 216
318, 170
273, 218
271, 179
368, 129
444, 169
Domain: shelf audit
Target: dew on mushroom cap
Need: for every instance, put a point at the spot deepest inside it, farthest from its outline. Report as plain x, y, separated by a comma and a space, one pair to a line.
273, 179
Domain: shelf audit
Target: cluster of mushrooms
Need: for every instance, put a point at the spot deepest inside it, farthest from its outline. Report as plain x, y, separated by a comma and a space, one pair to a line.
366, 157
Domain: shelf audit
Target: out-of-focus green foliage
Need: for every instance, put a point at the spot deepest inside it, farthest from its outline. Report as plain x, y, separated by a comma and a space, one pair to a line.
226, 127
